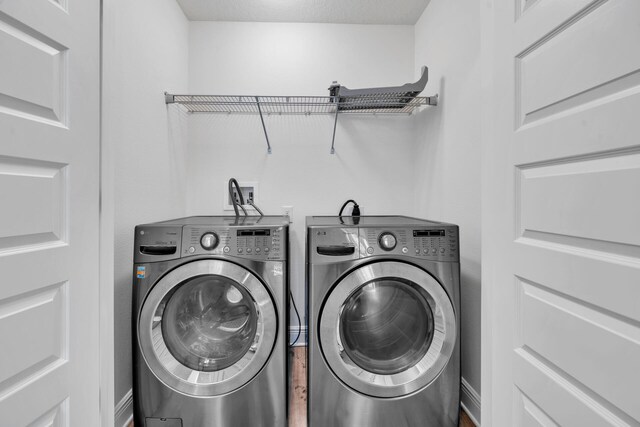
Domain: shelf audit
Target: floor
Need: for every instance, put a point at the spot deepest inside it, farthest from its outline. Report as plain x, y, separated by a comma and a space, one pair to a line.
298, 403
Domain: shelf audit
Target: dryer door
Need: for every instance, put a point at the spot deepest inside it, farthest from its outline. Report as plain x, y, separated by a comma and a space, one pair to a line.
207, 327
387, 329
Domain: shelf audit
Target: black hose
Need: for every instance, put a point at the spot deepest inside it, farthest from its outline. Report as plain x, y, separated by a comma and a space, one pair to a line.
255, 207
298, 316
232, 182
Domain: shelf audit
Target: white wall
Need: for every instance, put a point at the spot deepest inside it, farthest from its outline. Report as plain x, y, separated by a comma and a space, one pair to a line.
447, 39
373, 163
145, 53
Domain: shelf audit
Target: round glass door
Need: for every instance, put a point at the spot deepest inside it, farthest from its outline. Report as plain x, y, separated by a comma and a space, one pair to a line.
209, 323
387, 329
386, 326
207, 327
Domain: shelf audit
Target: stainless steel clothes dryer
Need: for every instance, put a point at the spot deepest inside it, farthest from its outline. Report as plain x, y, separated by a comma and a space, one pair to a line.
384, 332
209, 322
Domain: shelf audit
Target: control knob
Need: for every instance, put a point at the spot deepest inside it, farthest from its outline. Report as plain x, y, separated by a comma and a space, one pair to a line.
209, 241
387, 241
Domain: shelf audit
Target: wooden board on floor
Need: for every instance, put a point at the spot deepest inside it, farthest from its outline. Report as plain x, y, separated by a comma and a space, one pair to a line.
465, 421
298, 390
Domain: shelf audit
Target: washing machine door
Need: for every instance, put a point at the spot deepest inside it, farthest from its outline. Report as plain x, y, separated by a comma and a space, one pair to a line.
207, 327
387, 329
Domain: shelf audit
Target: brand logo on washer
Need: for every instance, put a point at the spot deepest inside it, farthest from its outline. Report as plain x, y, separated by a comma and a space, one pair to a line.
141, 272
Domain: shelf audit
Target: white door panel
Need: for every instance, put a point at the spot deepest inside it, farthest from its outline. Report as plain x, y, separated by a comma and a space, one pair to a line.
547, 15
49, 181
40, 217
40, 315
580, 341
561, 224
564, 404
34, 402
35, 85
596, 277
51, 18
606, 125
577, 198
531, 415
579, 57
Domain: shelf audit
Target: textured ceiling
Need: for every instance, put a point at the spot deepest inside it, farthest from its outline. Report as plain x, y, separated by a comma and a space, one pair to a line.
398, 12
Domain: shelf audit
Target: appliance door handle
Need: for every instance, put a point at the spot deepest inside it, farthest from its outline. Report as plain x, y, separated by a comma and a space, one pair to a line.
158, 250
336, 250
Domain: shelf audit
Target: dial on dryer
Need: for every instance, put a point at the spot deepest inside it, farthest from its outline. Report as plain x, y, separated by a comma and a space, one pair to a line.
209, 241
387, 241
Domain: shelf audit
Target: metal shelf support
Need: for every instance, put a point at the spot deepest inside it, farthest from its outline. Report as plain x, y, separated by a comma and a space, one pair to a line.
266, 136
335, 123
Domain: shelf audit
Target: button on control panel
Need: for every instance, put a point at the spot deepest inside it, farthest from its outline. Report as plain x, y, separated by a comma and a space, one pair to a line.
437, 243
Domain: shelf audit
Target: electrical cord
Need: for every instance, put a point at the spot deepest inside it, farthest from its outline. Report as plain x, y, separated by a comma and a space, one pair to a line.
356, 208
299, 322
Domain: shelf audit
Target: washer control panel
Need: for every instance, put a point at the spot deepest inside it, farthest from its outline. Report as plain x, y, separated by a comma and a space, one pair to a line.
267, 243
438, 244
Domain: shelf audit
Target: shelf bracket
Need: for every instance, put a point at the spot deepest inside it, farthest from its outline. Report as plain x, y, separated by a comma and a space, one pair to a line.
432, 100
335, 123
266, 136
168, 98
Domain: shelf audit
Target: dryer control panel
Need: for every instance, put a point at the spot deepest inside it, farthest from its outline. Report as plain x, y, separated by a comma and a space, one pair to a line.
336, 244
437, 244
268, 243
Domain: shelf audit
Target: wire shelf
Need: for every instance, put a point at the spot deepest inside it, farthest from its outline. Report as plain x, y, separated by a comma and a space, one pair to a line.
398, 103
386, 101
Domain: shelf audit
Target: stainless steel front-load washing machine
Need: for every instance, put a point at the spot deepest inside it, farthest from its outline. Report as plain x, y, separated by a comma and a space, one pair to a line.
383, 322
209, 322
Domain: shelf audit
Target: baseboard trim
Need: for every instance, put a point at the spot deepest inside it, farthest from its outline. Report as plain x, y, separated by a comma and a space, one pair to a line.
124, 410
293, 333
470, 401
